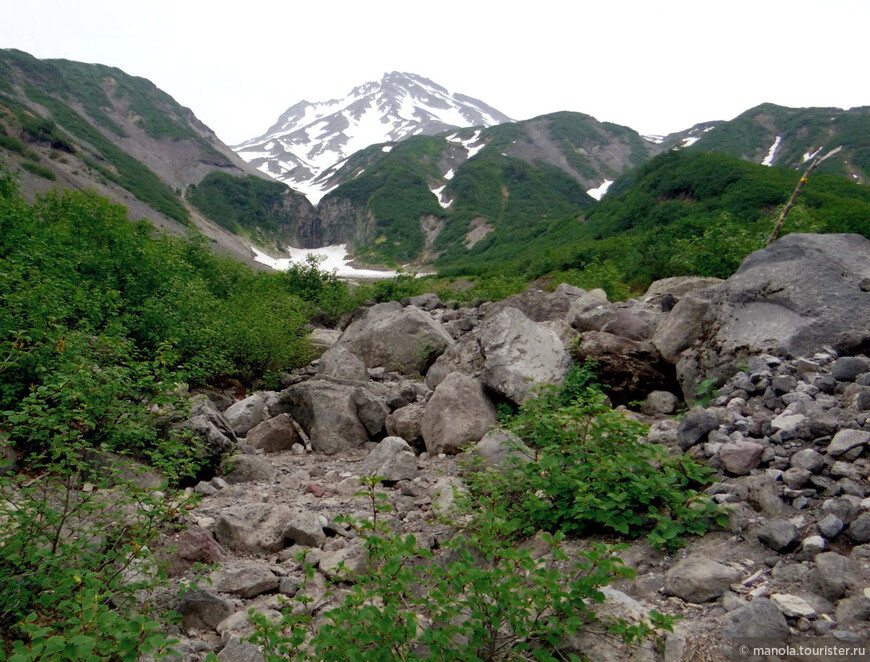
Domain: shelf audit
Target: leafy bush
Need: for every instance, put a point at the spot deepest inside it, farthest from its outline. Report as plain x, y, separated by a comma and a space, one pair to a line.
486, 601
594, 472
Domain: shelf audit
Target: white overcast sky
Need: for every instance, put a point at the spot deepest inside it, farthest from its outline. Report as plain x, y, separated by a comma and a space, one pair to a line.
657, 67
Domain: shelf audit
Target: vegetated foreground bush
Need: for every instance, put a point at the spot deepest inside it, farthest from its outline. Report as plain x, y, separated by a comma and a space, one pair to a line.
592, 471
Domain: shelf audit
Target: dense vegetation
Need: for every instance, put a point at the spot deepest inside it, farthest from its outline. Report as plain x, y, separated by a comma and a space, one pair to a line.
264, 210
683, 212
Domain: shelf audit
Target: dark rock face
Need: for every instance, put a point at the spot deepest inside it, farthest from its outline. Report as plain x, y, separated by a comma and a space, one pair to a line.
791, 299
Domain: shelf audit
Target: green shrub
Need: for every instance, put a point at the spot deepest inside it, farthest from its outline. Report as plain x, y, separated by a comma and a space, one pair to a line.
38, 170
593, 472
486, 601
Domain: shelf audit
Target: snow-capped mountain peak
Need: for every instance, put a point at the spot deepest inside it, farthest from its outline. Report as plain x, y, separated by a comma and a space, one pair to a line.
309, 139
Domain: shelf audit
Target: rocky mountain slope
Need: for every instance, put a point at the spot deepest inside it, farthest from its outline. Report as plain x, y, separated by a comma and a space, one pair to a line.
310, 141
78, 126
787, 433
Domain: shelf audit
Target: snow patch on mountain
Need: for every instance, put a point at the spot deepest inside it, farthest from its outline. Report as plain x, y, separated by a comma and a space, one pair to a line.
599, 191
304, 147
444, 202
771, 153
330, 259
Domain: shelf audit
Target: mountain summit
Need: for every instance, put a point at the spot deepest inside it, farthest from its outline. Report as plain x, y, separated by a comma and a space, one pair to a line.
310, 140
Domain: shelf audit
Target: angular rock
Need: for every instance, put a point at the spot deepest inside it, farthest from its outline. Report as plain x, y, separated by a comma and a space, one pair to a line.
834, 575
627, 324
252, 528
830, 526
808, 459
590, 311
853, 611
859, 530
683, 325
202, 610
846, 440
406, 423
392, 459
498, 449
458, 413
237, 650
519, 354
304, 528
404, 340
758, 619
207, 423
793, 606
183, 550
741, 457
695, 425
247, 581
628, 369
250, 469
464, 356
326, 412
699, 580
274, 434
780, 535
342, 363
427, 301
245, 414
679, 286
371, 410
792, 298
543, 306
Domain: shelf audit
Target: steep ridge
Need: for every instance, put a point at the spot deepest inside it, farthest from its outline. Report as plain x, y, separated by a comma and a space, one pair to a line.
76, 125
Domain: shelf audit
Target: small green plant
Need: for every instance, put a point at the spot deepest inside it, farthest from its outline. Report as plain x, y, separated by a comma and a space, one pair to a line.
705, 392
593, 472
485, 601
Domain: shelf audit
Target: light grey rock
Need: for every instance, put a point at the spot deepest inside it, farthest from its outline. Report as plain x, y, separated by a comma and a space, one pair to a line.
590, 311
340, 362
246, 414
741, 457
813, 545
853, 611
830, 526
627, 324
834, 575
780, 535
793, 606
428, 301
464, 356
660, 403
683, 325
459, 413
406, 422
250, 469
499, 448
808, 459
303, 527
207, 423
678, 286
202, 610
246, 581
392, 459
402, 340
846, 440
252, 528
699, 580
274, 434
237, 650
520, 353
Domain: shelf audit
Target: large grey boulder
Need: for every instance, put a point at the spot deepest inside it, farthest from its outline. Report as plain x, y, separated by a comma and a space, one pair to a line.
683, 326
406, 422
678, 286
590, 311
252, 528
202, 610
247, 580
464, 356
339, 362
699, 580
520, 353
458, 413
274, 434
392, 459
794, 298
246, 414
249, 469
403, 340
207, 423
499, 450
760, 618
543, 306
327, 412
